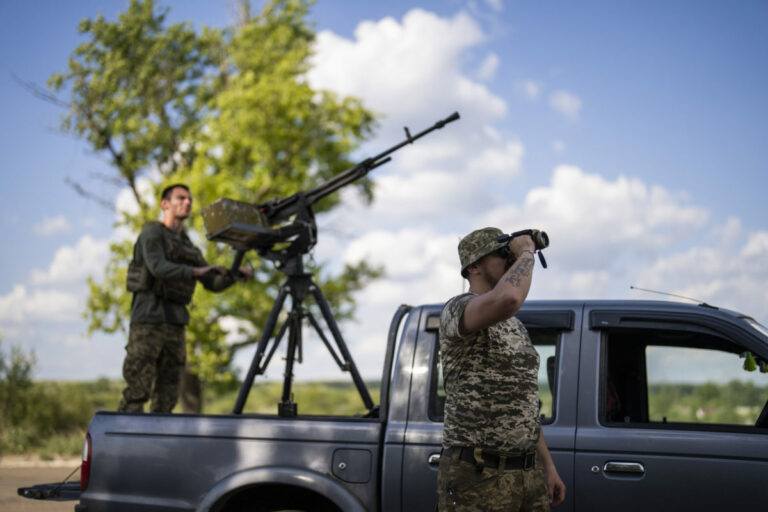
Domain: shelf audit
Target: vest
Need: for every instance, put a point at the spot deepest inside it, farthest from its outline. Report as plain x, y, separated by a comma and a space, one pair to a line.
183, 252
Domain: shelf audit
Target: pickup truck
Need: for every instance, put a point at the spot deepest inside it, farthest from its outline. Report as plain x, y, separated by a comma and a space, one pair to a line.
619, 385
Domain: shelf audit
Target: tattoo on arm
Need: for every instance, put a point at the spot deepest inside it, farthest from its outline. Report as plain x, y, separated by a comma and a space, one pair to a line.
521, 268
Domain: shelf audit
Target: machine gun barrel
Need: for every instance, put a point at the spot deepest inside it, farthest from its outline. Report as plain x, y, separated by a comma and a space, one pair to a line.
279, 210
264, 226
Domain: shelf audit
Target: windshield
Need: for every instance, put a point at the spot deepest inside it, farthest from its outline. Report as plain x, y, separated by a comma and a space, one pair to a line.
757, 326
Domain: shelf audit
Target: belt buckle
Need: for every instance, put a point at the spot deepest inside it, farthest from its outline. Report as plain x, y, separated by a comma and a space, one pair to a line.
529, 461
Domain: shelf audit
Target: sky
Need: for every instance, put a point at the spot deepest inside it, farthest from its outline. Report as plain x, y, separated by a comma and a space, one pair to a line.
633, 133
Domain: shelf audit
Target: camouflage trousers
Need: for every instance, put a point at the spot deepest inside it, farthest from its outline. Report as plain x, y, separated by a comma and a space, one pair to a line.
153, 367
460, 487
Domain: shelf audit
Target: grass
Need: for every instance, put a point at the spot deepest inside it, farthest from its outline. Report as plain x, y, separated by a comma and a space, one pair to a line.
55, 415
312, 398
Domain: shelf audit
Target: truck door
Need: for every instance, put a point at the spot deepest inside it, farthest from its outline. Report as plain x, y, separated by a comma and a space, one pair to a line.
669, 417
555, 331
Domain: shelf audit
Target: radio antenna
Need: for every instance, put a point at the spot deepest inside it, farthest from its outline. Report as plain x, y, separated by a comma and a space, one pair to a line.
701, 302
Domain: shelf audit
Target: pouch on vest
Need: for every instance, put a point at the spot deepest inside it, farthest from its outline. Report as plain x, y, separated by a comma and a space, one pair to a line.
175, 290
138, 278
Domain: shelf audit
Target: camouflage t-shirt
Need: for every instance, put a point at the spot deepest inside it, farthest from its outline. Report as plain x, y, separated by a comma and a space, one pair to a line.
491, 384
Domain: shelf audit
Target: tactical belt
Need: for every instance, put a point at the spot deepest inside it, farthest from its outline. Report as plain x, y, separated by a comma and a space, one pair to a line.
524, 461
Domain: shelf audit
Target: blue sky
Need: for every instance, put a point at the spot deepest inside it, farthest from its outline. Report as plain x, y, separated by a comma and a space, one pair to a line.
633, 132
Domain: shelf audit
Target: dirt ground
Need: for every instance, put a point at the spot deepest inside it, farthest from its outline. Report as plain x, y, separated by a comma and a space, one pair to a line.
18, 472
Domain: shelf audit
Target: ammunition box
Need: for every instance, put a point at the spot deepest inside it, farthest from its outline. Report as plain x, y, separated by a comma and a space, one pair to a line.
236, 223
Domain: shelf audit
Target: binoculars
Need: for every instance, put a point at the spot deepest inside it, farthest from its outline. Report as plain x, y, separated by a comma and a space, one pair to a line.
540, 240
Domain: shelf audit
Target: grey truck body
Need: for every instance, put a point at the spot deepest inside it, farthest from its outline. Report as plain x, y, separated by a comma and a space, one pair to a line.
610, 451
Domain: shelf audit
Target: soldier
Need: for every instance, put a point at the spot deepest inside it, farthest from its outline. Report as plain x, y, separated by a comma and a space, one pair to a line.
494, 454
162, 276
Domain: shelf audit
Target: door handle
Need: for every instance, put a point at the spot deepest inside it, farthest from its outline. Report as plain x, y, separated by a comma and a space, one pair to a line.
434, 459
624, 468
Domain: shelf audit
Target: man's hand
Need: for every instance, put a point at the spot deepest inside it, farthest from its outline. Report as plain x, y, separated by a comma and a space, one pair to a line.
522, 243
201, 271
555, 486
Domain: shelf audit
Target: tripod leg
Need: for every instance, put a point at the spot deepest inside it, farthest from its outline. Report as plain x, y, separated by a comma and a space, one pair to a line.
260, 348
272, 350
328, 315
287, 407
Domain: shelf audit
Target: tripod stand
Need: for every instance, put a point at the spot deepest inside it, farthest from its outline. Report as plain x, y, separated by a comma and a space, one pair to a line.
298, 285
267, 228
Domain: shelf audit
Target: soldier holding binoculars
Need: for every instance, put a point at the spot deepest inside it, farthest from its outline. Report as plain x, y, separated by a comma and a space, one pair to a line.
494, 455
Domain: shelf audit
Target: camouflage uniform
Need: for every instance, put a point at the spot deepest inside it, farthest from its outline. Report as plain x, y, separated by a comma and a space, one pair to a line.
491, 384
156, 350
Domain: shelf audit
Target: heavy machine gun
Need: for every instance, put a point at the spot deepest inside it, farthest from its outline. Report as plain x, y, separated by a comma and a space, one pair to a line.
283, 230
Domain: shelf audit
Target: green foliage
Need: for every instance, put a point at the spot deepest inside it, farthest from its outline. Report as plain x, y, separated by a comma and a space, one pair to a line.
228, 112
545, 395
36, 414
138, 87
735, 403
56, 414
312, 398
15, 388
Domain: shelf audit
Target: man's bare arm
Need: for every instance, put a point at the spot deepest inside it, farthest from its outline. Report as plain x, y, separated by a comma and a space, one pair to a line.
507, 296
555, 485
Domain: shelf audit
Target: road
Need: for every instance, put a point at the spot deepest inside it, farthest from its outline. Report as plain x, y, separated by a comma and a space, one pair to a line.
13, 476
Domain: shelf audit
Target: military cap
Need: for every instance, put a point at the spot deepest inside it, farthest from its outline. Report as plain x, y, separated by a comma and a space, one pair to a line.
477, 244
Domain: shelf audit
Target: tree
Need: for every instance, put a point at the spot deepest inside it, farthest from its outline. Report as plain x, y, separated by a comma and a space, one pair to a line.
15, 383
229, 113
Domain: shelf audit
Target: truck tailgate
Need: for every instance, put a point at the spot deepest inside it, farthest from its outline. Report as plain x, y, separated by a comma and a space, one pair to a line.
178, 462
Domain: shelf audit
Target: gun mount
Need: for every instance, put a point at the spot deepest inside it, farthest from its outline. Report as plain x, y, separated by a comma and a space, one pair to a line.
283, 230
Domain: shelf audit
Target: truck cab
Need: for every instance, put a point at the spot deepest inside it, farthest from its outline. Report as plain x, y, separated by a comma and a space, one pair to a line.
613, 382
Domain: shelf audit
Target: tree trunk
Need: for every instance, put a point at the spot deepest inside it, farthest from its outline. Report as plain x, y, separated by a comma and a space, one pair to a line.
191, 393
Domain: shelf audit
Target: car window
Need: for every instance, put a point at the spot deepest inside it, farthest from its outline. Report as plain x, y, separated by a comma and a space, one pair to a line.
678, 379
546, 342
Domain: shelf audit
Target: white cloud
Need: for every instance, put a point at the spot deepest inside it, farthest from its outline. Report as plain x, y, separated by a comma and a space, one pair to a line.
531, 89
21, 305
409, 70
565, 103
726, 275
605, 233
488, 67
126, 199
601, 221
500, 160
235, 328
52, 226
495, 5
72, 264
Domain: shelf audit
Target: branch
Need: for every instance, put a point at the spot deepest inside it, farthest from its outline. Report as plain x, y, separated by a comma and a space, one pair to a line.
89, 195
234, 347
39, 92
111, 180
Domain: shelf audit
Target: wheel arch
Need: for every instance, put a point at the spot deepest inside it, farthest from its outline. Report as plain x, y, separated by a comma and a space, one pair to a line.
268, 479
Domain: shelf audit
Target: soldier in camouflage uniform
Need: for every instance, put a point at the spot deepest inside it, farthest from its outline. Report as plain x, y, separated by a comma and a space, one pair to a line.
162, 276
494, 455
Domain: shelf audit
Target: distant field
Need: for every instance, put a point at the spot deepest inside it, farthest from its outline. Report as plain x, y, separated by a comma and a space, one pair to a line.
55, 415
331, 398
